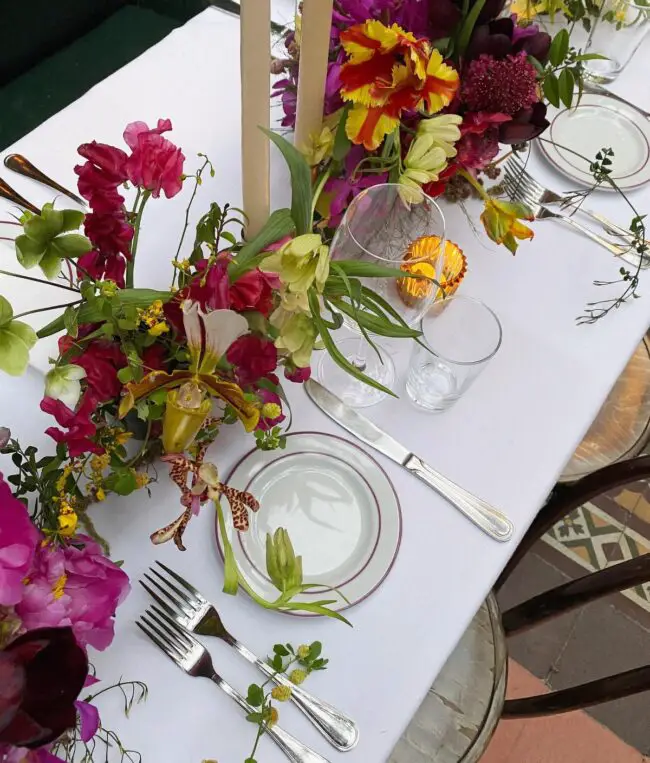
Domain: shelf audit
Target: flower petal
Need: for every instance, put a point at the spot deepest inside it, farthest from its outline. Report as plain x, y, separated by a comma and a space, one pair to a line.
88, 720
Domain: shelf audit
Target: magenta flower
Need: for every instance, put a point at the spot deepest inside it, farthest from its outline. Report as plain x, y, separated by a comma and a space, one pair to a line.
297, 375
18, 539
108, 160
76, 586
78, 423
271, 411
156, 164
343, 189
503, 85
252, 358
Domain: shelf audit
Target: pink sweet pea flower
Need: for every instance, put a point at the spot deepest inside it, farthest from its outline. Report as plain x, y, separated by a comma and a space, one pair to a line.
156, 164
18, 539
79, 425
88, 720
77, 586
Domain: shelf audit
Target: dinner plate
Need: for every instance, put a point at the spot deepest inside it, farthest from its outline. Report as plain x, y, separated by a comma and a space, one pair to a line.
339, 507
599, 122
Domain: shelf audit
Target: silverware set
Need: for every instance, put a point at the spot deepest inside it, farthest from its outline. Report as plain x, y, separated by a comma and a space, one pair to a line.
182, 611
22, 166
522, 187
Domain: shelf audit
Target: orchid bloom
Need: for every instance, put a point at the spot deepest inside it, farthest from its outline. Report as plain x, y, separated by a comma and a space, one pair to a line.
190, 391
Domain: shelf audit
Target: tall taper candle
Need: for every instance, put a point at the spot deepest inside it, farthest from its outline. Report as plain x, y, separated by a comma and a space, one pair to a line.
314, 49
255, 57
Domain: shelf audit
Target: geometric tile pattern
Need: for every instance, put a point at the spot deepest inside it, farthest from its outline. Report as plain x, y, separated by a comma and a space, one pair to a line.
595, 540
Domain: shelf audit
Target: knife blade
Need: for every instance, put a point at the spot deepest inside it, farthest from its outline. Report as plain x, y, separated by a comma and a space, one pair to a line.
492, 521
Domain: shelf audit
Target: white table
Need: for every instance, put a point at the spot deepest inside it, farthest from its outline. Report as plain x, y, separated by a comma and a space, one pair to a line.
507, 440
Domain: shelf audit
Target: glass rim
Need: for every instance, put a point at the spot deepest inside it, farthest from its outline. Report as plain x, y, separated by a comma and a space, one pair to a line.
397, 186
464, 298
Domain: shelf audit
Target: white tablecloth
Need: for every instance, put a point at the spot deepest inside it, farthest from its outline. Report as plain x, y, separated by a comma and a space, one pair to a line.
507, 440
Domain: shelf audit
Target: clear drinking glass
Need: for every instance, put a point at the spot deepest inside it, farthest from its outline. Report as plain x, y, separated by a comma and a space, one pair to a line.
385, 225
462, 335
617, 33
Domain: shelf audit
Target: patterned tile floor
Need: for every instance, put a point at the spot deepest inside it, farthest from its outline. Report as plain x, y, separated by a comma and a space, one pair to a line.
605, 637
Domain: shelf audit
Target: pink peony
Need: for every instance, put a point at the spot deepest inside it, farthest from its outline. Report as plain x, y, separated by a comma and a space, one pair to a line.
76, 586
18, 539
156, 163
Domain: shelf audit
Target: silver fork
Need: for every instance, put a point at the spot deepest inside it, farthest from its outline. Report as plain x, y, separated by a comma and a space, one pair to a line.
187, 607
515, 168
195, 660
517, 191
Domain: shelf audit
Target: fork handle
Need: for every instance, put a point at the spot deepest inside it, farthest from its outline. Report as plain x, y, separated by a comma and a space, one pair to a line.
296, 751
618, 251
341, 731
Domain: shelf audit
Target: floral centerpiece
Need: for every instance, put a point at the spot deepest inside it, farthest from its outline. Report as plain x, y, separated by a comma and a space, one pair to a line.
425, 93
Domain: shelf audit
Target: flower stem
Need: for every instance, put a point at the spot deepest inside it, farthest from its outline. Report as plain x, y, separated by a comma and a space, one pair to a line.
38, 280
318, 190
197, 183
45, 309
130, 267
474, 183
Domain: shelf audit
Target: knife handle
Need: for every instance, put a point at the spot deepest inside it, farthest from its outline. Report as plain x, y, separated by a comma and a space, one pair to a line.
478, 511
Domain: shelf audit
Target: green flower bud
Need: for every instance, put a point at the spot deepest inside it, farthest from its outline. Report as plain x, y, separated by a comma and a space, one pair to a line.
282, 565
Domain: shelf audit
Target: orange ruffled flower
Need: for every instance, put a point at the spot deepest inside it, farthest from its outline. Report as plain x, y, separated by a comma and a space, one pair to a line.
389, 71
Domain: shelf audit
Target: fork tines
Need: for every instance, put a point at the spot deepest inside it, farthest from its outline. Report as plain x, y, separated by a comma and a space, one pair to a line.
174, 640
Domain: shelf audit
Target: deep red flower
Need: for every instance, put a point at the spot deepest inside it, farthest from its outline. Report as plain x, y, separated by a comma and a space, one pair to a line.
80, 427
500, 85
254, 291
252, 358
98, 188
41, 675
100, 267
102, 359
297, 375
525, 125
154, 358
437, 187
211, 290
111, 161
479, 143
109, 233
156, 164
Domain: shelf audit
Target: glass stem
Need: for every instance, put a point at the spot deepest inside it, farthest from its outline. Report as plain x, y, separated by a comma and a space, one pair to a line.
359, 358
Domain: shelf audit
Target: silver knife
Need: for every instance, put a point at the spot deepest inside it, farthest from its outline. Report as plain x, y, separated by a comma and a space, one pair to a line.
478, 511
597, 89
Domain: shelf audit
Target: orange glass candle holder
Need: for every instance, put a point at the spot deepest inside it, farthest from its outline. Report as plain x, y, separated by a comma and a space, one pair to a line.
416, 261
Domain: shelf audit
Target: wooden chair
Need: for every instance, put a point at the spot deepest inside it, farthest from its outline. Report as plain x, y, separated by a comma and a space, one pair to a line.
460, 713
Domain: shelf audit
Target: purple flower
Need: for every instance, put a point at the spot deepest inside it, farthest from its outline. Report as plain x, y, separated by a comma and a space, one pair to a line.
18, 539
343, 189
525, 125
76, 586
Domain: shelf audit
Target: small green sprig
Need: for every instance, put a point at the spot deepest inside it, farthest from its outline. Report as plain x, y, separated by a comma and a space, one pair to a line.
304, 660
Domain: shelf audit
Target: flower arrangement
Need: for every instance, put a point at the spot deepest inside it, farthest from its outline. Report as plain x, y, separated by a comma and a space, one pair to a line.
424, 93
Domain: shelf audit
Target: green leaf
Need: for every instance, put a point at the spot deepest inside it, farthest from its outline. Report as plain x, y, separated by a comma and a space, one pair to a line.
16, 340
359, 269
50, 262
28, 251
566, 84
70, 321
276, 663
6, 311
255, 696
590, 57
281, 650
559, 47
279, 224
255, 717
374, 324
71, 245
125, 375
552, 89
465, 34
51, 219
341, 141
315, 650
122, 482
72, 219
301, 193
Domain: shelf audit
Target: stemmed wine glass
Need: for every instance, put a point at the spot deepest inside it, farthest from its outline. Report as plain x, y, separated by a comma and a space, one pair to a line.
398, 226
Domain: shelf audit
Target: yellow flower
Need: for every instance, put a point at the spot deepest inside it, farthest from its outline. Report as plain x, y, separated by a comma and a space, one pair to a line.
141, 479
297, 676
320, 146
158, 329
123, 437
152, 314
281, 693
67, 519
301, 262
100, 495
99, 463
58, 589
271, 411
303, 651
423, 163
273, 719
501, 222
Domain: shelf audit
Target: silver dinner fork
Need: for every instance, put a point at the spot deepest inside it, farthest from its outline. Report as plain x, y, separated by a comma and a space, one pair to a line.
521, 193
195, 660
514, 167
187, 607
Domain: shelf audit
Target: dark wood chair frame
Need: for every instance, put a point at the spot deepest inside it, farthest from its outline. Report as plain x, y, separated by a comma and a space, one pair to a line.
564, 499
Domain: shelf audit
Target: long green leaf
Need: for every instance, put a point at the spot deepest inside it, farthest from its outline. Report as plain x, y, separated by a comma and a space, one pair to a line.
465, 34
358, 269
559, 47
379, 326
91, 313
230, 571
278, 225
301, 193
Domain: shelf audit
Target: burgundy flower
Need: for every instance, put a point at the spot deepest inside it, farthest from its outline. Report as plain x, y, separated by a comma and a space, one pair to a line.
100, 267
109, 160
479, 143
444, 16
156, 164
254, 291
502, 37
80, 427
252, 358
41, 675
109, 233
525, 125
500, 85
101, 359
154, 358
297, 375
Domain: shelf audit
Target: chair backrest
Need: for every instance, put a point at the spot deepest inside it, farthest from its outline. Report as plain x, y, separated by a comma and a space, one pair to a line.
557, 601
